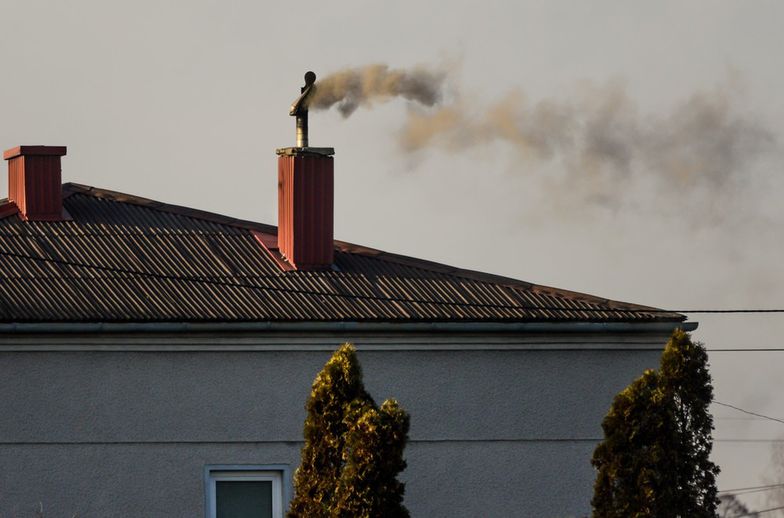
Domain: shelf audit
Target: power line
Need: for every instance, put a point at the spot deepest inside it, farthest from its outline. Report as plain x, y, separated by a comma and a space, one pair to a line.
753, 513
737, 489
750, 441
753, 491
749, 412
354, 296
755, 350
727, 418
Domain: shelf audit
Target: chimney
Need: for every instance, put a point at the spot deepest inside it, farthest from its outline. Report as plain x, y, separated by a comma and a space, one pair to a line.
34, 182
305, 195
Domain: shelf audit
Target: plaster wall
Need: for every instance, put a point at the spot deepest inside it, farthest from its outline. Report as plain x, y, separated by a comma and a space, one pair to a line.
95, 426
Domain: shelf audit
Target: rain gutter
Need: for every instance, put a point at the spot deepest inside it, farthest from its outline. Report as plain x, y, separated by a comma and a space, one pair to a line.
356, 327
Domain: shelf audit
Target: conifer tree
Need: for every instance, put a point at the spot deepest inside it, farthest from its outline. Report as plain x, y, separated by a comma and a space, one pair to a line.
336, 388
687, 382
353, 450
654, 459
368, 486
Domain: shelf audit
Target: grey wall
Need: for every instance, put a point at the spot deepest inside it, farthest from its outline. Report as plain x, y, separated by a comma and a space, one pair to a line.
128, 433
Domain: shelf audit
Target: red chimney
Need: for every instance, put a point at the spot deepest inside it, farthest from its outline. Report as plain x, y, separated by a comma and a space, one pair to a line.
34, 182
305, 207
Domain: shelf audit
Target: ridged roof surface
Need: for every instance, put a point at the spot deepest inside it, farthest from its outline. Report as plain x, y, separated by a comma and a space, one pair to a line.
127, 259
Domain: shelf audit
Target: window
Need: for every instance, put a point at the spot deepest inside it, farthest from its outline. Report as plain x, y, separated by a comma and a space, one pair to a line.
245, 491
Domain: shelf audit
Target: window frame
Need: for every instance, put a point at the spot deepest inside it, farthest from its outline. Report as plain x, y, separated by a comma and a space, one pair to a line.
278, 474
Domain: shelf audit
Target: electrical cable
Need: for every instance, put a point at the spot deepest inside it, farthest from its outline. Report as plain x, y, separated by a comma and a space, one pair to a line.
739, 489
754, 491
749, 412
749, 441
754, 350
754, 513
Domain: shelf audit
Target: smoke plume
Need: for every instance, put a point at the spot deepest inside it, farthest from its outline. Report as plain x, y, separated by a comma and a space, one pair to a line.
354, 87
703, 139
598, 137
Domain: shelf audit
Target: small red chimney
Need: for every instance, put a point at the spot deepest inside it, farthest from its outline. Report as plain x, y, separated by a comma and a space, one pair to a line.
34, 181
305, 208
305, 195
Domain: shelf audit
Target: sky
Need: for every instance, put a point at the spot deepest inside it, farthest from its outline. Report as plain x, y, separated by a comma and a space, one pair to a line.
648, 168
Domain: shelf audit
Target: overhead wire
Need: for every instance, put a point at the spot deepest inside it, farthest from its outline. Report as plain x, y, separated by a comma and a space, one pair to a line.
751, 350
755, 491
755, 414
740, 489
754, 513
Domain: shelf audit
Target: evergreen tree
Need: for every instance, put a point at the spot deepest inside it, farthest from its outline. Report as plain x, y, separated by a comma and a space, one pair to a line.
687, 382
353, 450
628, 482
654, 459
368, 486
336, 388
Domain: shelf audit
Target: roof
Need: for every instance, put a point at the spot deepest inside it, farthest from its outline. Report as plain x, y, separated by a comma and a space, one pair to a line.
122, 258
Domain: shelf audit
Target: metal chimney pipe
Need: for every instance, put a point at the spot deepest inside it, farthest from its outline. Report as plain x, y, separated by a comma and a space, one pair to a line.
302, 128
300, 110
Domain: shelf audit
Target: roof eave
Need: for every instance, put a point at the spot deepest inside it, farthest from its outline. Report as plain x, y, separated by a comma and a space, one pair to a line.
342, 327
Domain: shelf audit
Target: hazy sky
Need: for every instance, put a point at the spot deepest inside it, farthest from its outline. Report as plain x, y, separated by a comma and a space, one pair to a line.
648, 169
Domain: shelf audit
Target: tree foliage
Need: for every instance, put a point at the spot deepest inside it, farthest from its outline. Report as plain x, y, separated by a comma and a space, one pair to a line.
368, 486
654, 459
353, 449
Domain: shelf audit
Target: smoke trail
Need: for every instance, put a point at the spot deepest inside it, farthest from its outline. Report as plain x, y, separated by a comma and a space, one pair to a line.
350, 88
598, 137
705, 139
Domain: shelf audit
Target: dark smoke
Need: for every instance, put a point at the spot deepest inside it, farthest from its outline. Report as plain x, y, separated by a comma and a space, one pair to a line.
353, 87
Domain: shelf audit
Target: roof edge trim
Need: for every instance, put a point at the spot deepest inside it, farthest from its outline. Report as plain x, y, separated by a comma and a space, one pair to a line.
370, 327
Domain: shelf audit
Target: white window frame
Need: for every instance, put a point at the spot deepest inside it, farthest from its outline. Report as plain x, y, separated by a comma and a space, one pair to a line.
274, 474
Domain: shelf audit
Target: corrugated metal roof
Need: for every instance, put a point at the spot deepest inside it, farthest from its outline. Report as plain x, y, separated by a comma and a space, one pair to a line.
127, 259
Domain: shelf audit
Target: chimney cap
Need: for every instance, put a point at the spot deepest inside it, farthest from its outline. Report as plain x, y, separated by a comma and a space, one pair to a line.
34, 150
305, 151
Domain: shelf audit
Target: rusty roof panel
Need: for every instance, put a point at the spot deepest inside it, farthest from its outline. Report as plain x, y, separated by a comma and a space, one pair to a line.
127, 259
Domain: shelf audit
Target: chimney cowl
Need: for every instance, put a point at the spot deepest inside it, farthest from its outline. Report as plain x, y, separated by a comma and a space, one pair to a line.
299, 109
34, 182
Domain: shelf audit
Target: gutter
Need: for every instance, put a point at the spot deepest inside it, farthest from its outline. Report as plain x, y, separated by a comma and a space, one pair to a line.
355, 327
